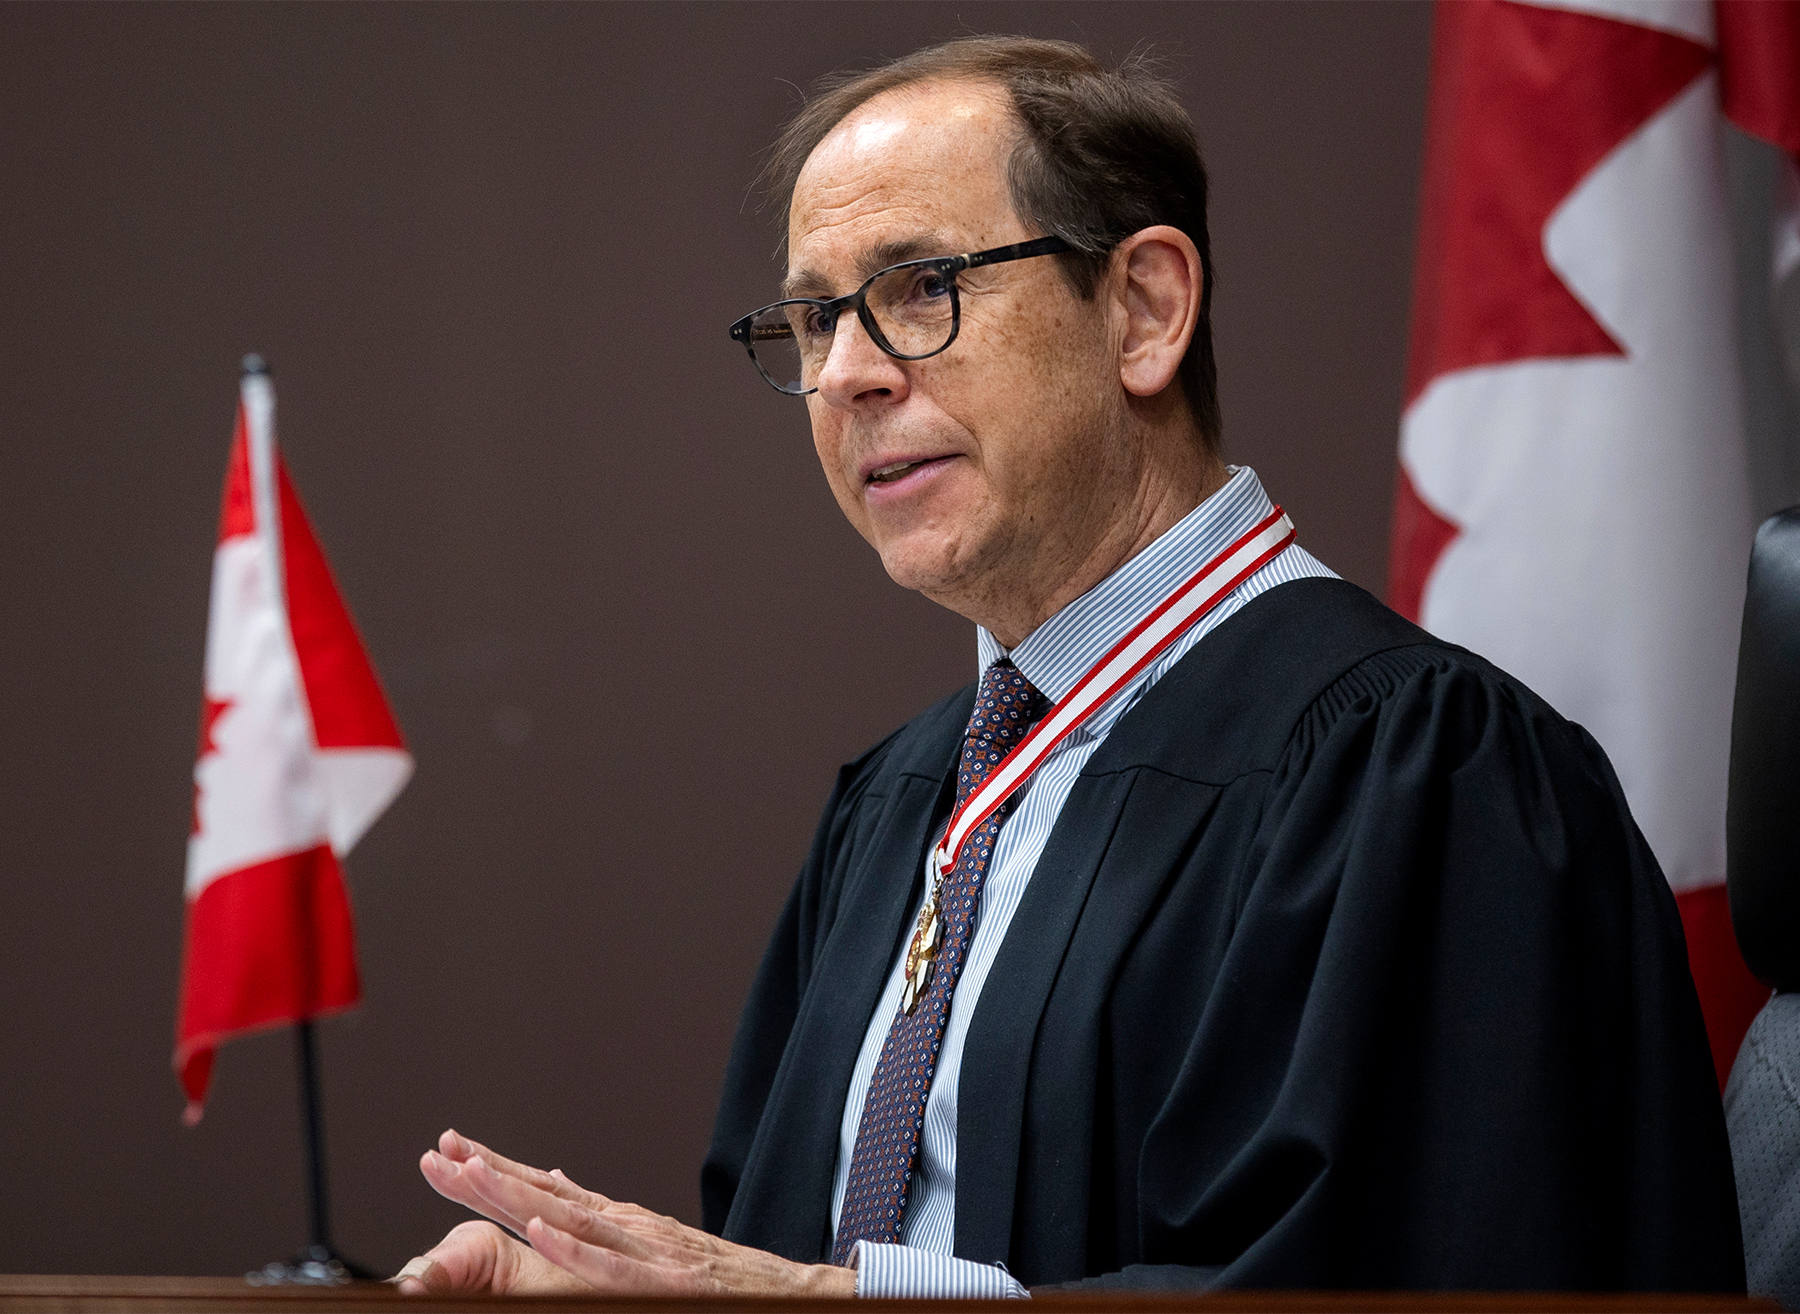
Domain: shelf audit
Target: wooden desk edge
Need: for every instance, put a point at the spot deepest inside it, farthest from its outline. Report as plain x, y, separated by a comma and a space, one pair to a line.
52, 1294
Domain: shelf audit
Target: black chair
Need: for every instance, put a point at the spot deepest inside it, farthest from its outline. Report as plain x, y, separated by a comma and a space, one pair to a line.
1762, 845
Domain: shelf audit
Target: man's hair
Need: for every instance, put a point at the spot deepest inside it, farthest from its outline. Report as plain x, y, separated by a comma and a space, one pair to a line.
1102, 154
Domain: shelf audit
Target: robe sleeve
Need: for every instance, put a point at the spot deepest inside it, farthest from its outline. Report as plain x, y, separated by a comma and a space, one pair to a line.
1453, 1042
781, 981
755, 1054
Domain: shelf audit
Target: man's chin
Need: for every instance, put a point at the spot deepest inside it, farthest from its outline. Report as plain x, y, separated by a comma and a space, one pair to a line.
923, 568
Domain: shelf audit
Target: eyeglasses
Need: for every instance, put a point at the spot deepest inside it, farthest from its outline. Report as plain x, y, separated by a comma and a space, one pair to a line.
909, 310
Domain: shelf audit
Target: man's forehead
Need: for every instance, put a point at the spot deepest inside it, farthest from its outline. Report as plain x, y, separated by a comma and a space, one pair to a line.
918, 111
913, 166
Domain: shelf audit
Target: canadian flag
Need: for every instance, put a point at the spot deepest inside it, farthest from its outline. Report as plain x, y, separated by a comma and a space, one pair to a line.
1573, 500
299, 754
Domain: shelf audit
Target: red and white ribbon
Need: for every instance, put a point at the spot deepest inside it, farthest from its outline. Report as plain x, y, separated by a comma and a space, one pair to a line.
1147, 640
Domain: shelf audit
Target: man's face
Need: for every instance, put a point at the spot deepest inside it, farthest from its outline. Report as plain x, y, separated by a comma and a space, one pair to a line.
987, 468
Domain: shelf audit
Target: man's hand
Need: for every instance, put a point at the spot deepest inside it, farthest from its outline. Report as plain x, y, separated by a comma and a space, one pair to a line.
582, 1241
479, 1257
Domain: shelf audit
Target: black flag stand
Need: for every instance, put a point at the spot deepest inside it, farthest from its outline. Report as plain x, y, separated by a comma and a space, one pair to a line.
319, 1264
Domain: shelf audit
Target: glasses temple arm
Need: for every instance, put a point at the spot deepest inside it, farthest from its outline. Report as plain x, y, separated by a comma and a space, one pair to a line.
1037, 246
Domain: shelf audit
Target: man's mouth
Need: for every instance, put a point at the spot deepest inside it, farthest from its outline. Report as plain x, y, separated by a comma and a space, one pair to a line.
888, 473
898, 470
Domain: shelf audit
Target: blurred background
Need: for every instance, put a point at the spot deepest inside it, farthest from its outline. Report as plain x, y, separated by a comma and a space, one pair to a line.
491, 252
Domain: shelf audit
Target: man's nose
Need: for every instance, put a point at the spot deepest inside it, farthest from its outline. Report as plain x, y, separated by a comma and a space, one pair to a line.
856, 371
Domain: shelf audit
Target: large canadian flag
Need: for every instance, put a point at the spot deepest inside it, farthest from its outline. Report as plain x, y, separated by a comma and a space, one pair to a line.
299, 754
1573, 500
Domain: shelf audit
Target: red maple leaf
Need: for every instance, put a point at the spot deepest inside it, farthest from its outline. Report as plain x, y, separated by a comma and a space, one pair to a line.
1525, 102
211, 709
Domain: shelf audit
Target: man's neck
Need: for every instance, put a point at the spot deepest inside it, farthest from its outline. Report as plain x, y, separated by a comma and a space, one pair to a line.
1011, 614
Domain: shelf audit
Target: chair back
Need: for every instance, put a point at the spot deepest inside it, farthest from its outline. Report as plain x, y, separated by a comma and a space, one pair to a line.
1762, 812
1762, 875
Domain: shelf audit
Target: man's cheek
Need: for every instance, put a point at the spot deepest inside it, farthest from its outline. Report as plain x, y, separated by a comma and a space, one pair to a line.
833, 460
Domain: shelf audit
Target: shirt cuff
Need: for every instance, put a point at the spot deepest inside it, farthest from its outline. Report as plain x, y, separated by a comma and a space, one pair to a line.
903, 1273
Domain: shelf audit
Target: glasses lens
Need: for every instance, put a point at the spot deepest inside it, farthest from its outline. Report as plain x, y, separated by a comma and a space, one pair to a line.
914, 307
791, 341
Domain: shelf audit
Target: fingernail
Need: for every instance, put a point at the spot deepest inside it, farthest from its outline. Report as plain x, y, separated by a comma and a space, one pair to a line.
414, 1271
462, 1144
449, 1167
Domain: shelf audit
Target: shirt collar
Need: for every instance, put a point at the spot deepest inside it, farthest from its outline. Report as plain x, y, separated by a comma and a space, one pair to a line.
1059, 652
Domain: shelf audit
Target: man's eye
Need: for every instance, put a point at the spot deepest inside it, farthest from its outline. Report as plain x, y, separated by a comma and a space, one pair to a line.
817, 324
931, 285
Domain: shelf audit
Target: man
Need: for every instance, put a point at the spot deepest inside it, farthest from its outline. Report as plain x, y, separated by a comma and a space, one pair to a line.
1292, 948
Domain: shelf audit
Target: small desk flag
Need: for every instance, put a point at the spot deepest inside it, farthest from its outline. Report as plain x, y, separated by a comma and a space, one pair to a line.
299, 754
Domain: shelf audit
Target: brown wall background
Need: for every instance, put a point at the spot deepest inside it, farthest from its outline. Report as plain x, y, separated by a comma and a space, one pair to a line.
491, 251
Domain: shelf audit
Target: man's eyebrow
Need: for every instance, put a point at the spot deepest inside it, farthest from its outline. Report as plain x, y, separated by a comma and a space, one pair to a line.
805, 283
899, 251
810, 283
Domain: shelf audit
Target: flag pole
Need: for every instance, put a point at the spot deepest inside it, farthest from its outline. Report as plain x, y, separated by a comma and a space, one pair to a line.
318, 1264
313, 1125
320, 1257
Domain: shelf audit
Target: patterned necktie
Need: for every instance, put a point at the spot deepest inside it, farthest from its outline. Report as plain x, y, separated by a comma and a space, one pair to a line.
887, 1138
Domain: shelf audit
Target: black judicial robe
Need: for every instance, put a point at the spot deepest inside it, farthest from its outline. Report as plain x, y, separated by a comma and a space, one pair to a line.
1344, 966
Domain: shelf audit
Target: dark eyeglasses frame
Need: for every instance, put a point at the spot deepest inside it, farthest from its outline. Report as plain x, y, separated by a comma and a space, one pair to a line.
949, 266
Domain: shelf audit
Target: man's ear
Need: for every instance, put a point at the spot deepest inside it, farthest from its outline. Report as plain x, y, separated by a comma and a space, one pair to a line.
1157, 282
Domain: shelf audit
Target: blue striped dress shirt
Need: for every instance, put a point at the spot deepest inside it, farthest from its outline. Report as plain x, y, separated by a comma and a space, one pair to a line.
1053, 657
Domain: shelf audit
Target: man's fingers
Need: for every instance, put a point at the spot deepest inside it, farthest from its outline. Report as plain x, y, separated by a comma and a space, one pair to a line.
504, 1195
455, 1181
509, 1198
458, 1148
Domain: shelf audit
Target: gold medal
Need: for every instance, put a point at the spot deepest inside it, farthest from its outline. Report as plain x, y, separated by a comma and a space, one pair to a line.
921, 955
918, 983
